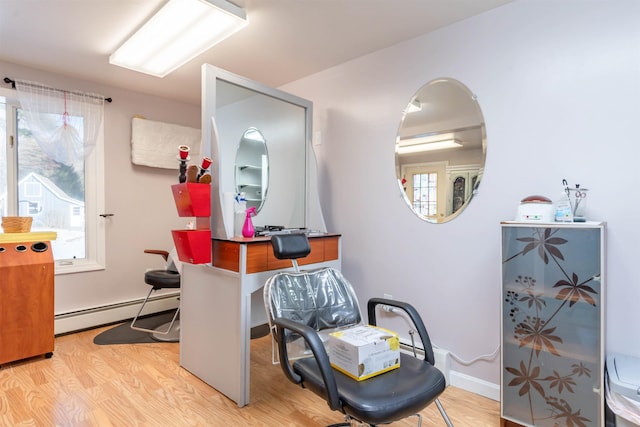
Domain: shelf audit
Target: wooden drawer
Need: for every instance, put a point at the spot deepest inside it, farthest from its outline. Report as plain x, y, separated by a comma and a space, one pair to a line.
226, 254
257, 257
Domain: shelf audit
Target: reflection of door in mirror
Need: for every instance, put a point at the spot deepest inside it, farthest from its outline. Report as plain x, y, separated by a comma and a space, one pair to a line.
425, 195
441, 125
462, 182
458, 193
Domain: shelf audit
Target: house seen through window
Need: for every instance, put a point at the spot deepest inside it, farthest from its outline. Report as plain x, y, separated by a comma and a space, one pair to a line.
54, 194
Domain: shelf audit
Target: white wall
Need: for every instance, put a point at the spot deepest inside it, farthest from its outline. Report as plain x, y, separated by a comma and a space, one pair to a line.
559, 87
139, 197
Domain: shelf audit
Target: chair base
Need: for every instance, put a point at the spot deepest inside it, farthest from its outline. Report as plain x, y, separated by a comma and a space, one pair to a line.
173, 334
163, 330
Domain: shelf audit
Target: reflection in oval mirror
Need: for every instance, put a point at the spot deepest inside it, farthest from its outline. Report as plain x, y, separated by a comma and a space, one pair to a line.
440, 150
252, 168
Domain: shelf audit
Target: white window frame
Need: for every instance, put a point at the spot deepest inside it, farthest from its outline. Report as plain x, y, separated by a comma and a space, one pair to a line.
93, 194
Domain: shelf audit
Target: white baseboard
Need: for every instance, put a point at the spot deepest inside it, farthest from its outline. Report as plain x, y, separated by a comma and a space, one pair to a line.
474, 385
97, 316
457, 379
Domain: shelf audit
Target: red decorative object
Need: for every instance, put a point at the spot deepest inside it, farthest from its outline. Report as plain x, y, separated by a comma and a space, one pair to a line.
184, 152
192, 199
193, 246
206, 162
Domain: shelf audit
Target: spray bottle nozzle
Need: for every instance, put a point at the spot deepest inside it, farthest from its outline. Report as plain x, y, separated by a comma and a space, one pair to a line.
251, 211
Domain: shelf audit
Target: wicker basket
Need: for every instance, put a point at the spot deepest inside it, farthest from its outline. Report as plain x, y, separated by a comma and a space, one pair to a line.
16, 224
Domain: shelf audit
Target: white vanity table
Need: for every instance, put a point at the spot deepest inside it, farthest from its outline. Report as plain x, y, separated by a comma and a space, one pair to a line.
223, 300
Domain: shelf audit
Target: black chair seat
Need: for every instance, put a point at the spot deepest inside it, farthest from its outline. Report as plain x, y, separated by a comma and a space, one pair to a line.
369, 400
162, 279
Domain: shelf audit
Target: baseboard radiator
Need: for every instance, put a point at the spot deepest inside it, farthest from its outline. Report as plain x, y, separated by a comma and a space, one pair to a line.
457, 379
97, 316
441, 358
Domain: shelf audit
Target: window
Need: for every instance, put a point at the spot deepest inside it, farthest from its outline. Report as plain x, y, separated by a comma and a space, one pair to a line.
33, 208
425, 189
60, 198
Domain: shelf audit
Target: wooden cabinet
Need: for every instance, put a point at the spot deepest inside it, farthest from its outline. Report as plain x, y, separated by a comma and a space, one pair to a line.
226, 253
552, 324
26, 300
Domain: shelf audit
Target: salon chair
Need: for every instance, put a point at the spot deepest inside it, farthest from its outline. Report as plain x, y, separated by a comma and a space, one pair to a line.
168, 278
307, 305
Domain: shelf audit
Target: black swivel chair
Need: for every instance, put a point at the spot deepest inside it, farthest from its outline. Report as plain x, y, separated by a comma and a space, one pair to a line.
158, 279
306, 305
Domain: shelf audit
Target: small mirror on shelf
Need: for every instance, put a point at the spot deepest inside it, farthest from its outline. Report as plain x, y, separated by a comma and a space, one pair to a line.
252, 168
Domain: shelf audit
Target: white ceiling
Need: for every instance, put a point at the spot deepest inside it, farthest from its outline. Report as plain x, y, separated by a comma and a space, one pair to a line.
284, 41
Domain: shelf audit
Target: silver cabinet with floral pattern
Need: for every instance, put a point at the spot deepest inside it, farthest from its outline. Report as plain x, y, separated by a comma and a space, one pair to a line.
552, 324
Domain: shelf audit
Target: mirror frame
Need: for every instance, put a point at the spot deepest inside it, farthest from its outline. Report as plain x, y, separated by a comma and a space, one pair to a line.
453, 129
221, 219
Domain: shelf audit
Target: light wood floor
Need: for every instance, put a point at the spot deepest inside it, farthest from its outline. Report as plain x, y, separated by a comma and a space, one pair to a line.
130, 385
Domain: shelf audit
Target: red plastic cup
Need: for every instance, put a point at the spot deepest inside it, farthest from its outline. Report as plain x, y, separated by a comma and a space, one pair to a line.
206, 162
184, 151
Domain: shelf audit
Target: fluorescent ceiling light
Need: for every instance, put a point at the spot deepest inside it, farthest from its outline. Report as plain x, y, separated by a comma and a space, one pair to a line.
418, 145
180, 31
414, 106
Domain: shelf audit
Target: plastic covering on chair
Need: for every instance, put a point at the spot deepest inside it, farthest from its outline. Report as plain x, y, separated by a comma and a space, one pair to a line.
304, 307
321, 299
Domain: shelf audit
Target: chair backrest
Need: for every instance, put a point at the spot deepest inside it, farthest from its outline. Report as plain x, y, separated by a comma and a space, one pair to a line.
322, 299
291, 246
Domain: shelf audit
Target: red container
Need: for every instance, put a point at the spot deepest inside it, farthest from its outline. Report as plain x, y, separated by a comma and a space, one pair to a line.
192, 199
193, 246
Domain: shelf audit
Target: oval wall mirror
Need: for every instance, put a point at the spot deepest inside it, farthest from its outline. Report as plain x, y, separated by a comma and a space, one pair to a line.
440, 150
252, 168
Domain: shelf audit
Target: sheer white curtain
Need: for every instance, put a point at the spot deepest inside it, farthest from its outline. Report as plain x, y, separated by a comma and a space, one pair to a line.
65, 124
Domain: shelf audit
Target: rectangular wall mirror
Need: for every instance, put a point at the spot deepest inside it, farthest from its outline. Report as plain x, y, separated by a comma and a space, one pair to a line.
280, 180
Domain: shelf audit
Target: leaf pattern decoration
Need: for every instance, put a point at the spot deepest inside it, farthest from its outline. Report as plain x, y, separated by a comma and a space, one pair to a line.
562, 382
564, 411
573, 291
531, 332
533, 299
526, 379
545, 243
580, 369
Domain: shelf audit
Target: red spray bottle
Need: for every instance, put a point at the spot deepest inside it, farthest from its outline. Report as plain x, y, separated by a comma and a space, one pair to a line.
247, 228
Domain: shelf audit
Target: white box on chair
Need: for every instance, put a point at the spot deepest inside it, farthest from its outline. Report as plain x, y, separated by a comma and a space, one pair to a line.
364, 351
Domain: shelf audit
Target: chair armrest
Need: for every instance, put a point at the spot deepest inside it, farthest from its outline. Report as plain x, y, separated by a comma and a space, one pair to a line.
413, 315
164, 254
314, 341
